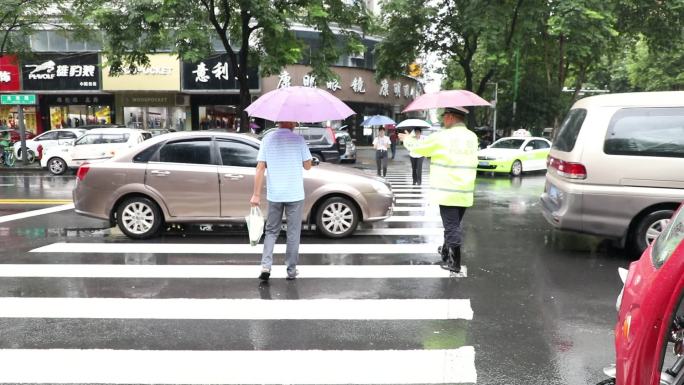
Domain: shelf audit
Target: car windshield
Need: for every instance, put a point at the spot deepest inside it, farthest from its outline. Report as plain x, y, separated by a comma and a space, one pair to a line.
508, 143
668, 240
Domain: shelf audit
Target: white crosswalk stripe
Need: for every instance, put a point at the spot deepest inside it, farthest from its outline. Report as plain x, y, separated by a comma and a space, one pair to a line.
221, 271
415, 218
234, 309
209, 248
239, 367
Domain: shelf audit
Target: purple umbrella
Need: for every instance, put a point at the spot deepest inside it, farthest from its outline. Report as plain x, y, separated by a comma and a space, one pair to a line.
254, 125
449, 98
299, 104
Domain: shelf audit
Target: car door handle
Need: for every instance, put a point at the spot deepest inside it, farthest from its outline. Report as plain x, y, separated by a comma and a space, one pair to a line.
233, 176
160, 173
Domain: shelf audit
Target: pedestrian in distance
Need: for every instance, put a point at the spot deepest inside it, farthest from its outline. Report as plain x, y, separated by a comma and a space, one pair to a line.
381, 143
417, 160
285, 155
394, 138
453, 168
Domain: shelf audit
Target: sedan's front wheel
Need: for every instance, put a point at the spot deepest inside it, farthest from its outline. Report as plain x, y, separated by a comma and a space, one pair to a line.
337, 217
139, 218
516, 168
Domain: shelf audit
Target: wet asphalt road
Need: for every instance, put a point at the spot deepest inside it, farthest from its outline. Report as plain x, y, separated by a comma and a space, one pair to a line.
543, 301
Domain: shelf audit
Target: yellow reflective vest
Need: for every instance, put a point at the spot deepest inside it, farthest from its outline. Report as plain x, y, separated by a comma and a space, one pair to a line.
453, 164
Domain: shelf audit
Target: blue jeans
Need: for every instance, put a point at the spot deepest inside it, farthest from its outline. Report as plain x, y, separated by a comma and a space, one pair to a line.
274, 221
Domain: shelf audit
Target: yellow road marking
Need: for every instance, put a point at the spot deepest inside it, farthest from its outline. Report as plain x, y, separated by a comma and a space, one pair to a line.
34, 201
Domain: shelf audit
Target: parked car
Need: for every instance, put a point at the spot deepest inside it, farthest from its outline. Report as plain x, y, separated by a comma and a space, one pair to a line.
350, 152
615, 168
41, 143
93, 126
323, 143
514, 155
649, 333
96, 145
12, 135
208, 177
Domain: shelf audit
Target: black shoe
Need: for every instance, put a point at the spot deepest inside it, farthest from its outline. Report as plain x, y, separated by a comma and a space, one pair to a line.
265, 275
455, 258
443, 251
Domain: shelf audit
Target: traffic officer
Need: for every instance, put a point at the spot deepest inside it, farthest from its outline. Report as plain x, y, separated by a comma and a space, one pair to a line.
453, 168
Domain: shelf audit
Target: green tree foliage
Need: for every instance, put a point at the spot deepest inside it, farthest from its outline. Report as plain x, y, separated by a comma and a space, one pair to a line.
565, 46
20, 18
252, 32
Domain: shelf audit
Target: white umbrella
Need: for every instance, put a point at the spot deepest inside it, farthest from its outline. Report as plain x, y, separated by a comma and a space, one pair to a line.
414, 123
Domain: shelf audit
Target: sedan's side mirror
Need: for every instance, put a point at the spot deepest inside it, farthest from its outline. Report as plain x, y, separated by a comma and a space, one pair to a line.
315, 161
529, 148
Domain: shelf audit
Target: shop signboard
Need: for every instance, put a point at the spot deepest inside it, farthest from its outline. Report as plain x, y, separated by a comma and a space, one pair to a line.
162, 74
215, 74
17, 99
9, 73
61, 72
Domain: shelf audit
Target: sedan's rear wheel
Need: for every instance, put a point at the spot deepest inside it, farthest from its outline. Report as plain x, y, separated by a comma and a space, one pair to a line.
139, 218
337, 217
57, 166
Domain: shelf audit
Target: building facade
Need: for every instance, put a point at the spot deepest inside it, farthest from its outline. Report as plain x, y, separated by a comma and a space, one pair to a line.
74, 87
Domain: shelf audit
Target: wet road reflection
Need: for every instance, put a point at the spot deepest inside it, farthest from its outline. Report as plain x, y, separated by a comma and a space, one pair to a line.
543, 300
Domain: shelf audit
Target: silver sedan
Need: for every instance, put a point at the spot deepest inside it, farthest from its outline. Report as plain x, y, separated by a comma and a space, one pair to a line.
208, 177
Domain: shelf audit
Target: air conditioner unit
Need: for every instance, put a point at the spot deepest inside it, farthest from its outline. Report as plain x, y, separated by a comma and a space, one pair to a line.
182, 100
359, 56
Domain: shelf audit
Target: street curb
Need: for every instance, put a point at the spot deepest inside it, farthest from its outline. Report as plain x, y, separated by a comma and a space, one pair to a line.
21, 169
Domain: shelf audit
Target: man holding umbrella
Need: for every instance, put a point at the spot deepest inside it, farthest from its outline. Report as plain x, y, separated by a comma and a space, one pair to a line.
282, 157
453, 169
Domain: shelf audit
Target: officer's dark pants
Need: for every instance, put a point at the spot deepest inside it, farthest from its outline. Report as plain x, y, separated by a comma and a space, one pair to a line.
381, 161
451, 219
417, 169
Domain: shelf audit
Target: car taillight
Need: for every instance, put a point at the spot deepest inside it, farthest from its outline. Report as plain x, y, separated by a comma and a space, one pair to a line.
82, 171
40, 151
567, 169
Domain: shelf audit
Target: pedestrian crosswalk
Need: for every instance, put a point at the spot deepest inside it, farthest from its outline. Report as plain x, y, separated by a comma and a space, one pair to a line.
315, 330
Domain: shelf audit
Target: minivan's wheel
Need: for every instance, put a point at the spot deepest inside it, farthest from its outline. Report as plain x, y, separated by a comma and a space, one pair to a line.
139, 218
57, 166
516, 169
337, 217
318, 156
648, 229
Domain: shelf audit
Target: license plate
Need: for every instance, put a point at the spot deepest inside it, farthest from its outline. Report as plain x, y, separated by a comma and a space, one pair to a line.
553, 194
483, 164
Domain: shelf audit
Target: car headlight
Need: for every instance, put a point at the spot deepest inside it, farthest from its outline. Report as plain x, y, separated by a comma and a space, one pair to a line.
380, 187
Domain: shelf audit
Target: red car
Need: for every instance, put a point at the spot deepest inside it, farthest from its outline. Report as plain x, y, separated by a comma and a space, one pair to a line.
649, 335
13, 135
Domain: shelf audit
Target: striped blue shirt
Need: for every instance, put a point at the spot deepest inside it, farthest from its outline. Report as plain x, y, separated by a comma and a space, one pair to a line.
284, 152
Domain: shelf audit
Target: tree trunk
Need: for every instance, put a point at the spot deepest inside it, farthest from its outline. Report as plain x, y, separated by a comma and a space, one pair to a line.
245, 97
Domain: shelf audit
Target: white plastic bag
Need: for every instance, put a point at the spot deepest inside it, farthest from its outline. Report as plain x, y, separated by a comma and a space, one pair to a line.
255, 225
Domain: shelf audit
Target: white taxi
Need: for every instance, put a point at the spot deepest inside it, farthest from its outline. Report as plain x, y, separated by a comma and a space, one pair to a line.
41, 143
96, 145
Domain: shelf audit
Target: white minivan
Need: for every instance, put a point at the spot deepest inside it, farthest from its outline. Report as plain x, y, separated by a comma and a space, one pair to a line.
616, 167
96, 145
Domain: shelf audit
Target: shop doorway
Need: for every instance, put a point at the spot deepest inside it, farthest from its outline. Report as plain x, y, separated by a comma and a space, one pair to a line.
149, 118
218, 118
73, 116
